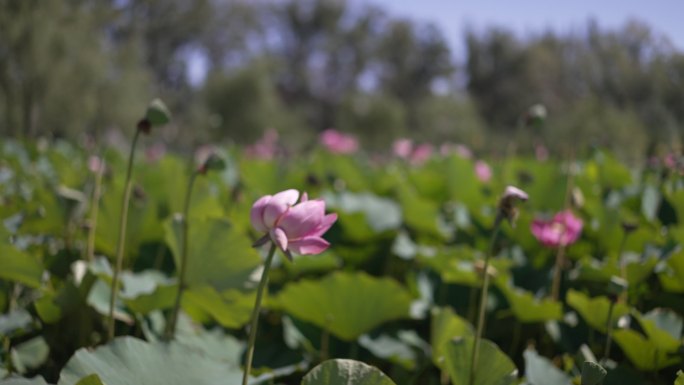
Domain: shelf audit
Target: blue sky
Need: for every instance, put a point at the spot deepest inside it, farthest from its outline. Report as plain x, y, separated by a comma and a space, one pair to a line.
534, 16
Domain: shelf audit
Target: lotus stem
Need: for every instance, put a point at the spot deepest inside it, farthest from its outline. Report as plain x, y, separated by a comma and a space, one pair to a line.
171, 329
255, 314
97, 191
623, 264
483, 302
122, 237
609, 332
558, 273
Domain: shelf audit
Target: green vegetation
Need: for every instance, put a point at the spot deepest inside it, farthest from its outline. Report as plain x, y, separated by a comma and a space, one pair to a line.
397, 289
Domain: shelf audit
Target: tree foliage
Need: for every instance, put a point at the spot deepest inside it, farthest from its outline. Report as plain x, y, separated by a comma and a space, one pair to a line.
232, 69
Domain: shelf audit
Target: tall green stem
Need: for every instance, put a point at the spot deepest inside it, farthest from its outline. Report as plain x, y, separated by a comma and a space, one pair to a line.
609, 331
122, 237
560, 254
255, 314
558, 273
623, 265
171, 329
90, 251
483, 303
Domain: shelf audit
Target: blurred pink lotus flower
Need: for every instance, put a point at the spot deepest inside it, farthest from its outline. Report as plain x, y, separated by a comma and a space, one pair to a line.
95, 164
292, 227
402, 148
463, 151
421, 154
338, 142
670, 161
563, 230
541, 152
266, 147
155, 152
483, 171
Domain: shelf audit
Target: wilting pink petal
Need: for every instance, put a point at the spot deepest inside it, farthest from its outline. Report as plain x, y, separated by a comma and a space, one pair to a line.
564, 229
338, 142
483, 171
402, 148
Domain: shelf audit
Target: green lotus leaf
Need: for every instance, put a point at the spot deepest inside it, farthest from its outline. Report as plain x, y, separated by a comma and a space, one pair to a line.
446, 325
18, 266
541, 371
218, 255
346, 304
592, 373
595, 310
527, 308
655, 348
493, 366
92, 379
345, 372
129, 360
672, 278
231, 308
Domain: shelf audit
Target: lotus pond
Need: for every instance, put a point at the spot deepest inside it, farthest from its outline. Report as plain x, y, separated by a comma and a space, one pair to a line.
391, 296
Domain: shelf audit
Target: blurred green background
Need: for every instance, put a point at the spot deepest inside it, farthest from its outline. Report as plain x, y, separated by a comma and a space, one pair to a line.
81, 69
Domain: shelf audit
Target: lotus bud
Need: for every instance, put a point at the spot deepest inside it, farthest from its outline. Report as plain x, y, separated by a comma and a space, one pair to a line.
507, 209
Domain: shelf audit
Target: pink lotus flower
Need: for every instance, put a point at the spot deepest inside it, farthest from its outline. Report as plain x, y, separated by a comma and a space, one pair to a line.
266, 147
95, 164
463, 151
338, 142
421, 154
292, 227
483, 171
402, 148
155, 152
564, 229
541, 152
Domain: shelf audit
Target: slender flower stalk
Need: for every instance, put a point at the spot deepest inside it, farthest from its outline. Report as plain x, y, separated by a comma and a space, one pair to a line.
171, 326
508, 211
255, 314
609, 331
156, 115
616, 287
557, 273
627, 229
483, 302
97, 191
122, 235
